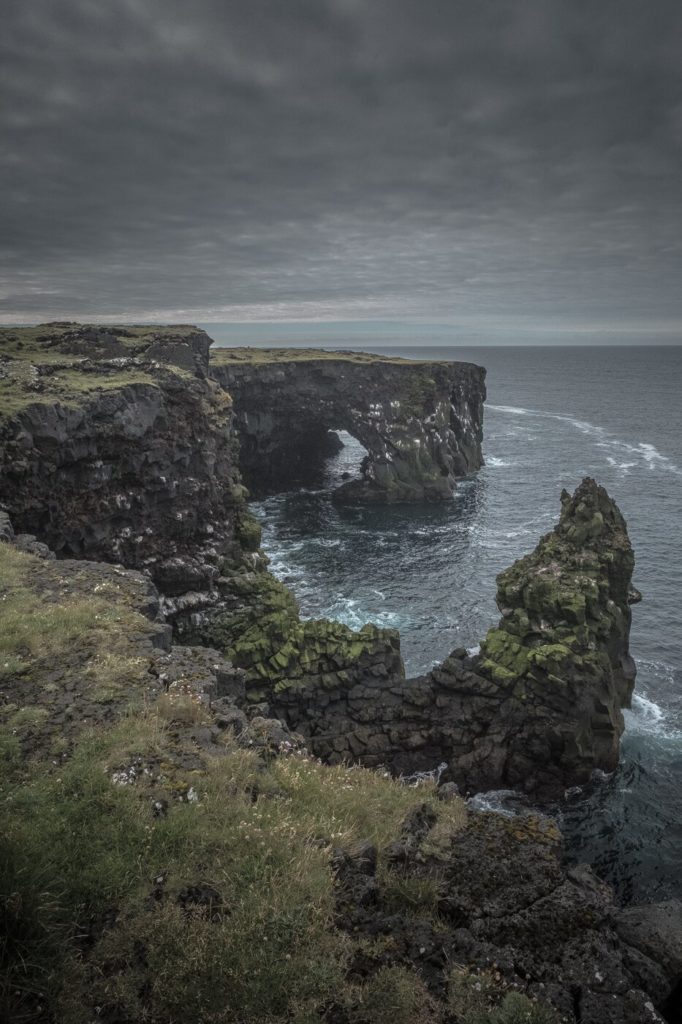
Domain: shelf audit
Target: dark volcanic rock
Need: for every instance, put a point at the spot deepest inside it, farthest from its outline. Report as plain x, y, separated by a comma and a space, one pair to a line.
507, 907
421, 423
136, 464
560, 656
540, 708
133, 458
655, 931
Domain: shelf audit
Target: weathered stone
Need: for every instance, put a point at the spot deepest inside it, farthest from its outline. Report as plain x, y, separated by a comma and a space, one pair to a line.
130, 472
656, 932
6, 528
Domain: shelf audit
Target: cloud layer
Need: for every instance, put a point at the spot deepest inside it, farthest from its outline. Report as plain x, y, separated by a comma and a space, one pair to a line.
490, 162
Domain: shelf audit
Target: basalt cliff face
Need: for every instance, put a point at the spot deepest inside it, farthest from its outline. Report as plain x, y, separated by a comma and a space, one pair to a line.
421, 423
114, 445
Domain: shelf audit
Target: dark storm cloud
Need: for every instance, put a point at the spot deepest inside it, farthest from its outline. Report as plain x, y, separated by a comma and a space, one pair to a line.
499, 162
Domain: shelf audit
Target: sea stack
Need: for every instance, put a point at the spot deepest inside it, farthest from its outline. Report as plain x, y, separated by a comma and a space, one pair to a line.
560, 653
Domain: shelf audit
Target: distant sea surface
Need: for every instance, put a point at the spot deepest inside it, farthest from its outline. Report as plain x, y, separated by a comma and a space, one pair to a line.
553, 415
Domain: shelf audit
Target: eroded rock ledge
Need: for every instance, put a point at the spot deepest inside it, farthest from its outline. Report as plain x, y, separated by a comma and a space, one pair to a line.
115, 445
421, 422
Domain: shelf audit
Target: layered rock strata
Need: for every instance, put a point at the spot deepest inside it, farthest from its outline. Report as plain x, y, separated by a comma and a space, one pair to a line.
420, 422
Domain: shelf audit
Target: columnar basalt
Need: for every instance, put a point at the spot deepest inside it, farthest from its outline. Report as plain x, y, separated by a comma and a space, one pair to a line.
115, 446
420, 422
560, 655
184, 823
540, 707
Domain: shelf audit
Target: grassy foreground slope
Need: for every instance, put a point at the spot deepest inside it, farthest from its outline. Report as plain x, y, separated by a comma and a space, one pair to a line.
155, 867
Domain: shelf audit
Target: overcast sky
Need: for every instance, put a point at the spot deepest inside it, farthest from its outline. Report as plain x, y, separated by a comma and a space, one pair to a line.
495, 165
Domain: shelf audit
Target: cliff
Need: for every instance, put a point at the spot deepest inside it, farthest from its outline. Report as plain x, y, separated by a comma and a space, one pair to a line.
420, 422
170, 849
166, 856
539, 709
116, 445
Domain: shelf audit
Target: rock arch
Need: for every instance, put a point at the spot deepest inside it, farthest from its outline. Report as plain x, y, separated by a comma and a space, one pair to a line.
420, 422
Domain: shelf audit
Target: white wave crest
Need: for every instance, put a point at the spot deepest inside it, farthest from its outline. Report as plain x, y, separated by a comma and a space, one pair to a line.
648, 718
494, 800
643, 452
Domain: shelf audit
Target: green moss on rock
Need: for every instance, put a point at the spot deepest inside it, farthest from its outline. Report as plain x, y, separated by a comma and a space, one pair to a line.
264, 635
562, 641
249, 531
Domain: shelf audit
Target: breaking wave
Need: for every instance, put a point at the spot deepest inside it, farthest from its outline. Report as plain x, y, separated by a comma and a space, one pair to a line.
620, 451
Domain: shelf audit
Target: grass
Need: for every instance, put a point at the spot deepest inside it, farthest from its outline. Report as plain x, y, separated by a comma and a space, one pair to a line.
25, 349
223, 356
78, 849
24, 342
47, 626
50, 616
66, 388
475, 999
222, 908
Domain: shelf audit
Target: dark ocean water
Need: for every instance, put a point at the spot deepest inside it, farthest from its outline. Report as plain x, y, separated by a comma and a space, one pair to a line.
552, 417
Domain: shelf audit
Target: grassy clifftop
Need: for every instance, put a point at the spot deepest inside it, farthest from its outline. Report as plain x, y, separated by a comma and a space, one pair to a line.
163, 860
59, 361
223, 356
65, 362
27, 341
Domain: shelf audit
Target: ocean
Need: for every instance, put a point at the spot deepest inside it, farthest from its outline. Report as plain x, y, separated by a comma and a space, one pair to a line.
553, 415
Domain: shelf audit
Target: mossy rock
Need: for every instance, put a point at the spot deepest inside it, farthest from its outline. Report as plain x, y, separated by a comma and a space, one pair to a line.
249, 532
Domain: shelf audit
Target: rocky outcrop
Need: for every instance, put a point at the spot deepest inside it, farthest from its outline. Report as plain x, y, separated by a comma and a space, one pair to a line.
421, 422
93, 644
115, 446
126, 454
509, 910
477, 909
257, 624
539, 709
560, 655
